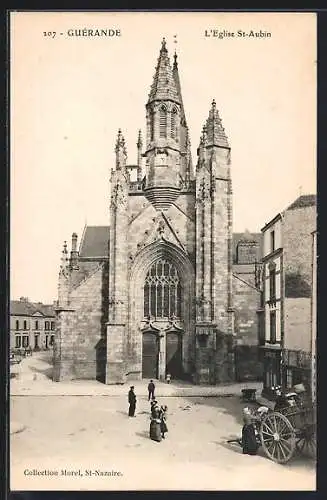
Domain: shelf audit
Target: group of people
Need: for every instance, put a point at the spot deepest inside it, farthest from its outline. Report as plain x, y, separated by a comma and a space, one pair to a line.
158, 424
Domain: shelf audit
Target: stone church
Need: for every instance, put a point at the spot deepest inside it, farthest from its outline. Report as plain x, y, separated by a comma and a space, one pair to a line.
152, 293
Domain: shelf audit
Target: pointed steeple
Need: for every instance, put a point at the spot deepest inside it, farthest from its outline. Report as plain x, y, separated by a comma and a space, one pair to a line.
163, 86
215, 132
178, 86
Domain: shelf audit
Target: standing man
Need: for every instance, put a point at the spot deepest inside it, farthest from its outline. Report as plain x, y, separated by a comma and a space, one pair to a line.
132, 402
151, 388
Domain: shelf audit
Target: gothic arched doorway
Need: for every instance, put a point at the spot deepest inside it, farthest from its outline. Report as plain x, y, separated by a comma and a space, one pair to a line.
150, 355
161, 300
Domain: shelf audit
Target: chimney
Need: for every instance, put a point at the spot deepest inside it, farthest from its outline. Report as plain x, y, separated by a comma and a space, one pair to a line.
74, 253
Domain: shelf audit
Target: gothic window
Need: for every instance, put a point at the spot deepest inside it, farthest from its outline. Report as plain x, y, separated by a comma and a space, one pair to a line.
163, 122
152, 125
162, 291
173, 125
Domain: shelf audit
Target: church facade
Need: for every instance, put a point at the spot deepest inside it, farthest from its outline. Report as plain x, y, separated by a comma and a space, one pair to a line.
152, 293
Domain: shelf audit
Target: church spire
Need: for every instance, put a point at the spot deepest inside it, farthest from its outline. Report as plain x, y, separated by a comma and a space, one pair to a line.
163, 86
178, 87
215, 132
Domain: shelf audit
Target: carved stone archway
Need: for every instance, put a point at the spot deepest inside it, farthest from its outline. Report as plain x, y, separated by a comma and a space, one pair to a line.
160, 249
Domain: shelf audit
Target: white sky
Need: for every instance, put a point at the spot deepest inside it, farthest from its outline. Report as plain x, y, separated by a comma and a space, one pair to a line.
70, 95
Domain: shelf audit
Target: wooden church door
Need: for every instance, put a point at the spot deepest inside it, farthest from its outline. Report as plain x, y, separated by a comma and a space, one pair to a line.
150, 355
174, 354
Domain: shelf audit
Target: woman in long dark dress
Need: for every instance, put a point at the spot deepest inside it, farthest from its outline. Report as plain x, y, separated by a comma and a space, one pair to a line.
132, 402
155, 424
249, 441
163, 420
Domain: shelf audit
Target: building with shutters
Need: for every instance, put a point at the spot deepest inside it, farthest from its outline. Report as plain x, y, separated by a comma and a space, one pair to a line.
32, 325
152, 293
288, 284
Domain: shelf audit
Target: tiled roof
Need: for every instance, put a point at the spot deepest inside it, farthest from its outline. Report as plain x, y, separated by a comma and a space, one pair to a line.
305, 200
95, 242
26, 308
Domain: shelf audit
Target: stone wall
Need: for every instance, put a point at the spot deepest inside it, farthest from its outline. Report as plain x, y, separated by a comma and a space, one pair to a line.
297, 324
247, 300
246, 304
79, 351
297, 240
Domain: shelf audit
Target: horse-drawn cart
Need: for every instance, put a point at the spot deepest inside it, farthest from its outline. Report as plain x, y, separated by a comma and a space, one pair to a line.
284, 431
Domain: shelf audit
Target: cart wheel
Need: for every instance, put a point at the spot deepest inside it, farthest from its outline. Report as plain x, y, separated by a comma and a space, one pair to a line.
277, 437
306, 443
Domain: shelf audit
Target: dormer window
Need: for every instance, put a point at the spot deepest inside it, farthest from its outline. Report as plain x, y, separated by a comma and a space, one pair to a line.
162, 122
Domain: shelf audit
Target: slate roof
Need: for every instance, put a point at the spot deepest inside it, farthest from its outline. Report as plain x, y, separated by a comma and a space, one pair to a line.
27, 308
95, 241
305, 200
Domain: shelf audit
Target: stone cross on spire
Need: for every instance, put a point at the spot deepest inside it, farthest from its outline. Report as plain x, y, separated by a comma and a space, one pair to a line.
175, 54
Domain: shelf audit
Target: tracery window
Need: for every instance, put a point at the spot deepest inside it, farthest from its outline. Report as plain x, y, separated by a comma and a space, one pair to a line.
152, 125
173, 129
162, 291
163, 122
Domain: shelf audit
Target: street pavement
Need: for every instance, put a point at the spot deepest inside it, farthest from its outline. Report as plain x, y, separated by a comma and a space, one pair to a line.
87, 441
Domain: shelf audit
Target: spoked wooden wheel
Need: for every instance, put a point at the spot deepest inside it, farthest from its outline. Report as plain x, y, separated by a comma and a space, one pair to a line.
277, 437
306, 442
